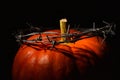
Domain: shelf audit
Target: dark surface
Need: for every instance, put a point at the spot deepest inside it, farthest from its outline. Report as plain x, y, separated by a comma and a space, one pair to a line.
15, 15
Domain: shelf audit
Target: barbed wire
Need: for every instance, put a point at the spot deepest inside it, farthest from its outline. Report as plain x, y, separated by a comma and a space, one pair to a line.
108, 29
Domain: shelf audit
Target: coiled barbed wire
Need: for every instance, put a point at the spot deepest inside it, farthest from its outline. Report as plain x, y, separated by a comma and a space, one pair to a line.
108, 29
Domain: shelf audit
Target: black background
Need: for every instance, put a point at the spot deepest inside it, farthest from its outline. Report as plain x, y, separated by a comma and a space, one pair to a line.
14, 16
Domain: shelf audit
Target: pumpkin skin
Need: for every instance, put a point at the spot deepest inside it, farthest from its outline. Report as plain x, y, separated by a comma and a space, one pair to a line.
66, 61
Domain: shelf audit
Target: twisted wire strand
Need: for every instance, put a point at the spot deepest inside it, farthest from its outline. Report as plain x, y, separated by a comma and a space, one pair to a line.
75, 36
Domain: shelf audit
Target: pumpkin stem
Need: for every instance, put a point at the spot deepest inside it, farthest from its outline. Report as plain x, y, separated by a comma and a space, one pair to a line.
63, 24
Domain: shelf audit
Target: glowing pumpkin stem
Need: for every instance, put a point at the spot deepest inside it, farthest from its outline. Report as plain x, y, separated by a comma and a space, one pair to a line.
63, 24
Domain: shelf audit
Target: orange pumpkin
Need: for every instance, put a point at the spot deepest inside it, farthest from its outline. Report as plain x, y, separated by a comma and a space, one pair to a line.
62, 61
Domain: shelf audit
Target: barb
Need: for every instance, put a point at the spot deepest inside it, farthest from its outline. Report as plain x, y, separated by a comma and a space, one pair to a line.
68, 29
